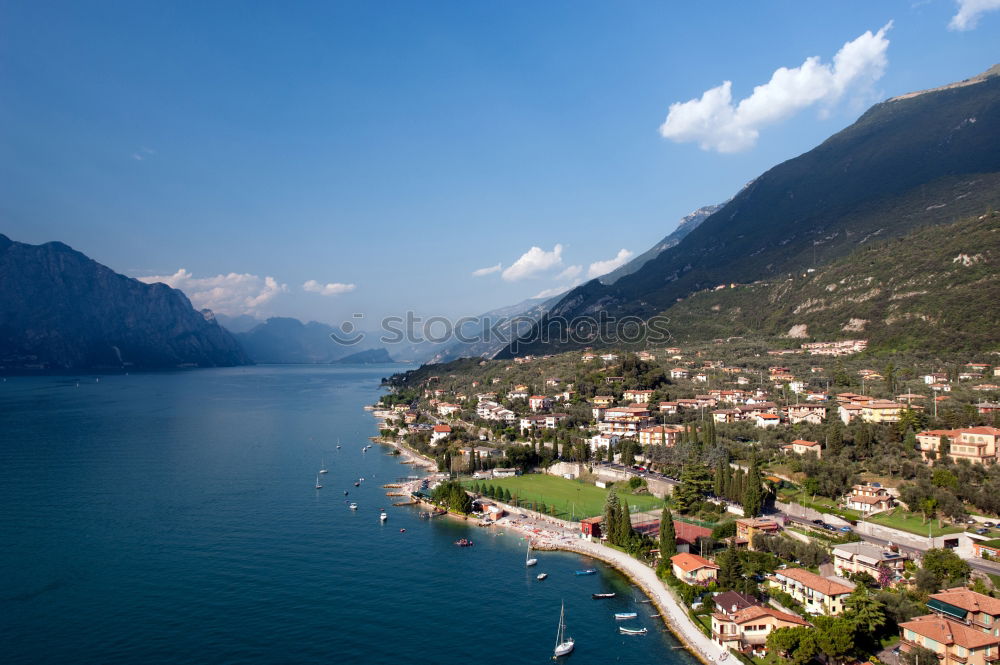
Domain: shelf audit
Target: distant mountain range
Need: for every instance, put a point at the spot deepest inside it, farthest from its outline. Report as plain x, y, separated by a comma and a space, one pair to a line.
60, 310
286, 340
915, 160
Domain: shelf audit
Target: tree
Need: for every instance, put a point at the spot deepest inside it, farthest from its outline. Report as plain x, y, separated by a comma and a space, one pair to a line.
918, 655
946, 567
753, 493
624, 526
730, 575
865, 611
797, 646
696, 483
668, 539
612, 513
835, 636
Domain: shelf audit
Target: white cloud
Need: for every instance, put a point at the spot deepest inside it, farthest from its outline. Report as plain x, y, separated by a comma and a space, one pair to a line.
969, 12
571, 272
598, 268
233, 294
554, 291
482, 272
716, 124
534, 261
331, 289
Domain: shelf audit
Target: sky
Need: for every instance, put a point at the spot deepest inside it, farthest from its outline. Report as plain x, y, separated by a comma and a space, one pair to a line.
324, 159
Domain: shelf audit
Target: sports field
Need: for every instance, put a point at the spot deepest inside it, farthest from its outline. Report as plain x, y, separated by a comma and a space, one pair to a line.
571, 498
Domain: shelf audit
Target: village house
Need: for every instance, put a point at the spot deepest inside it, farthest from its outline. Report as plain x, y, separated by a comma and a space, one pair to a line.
818, 595
976, 444
985, 408
728, 603
701, 378
725, 415
767, 420
848, 412
813, 414
969, 376
440, 432
693, 569
746, 630
935, 377
748, 527
531, 422
539, 402
953, 642
986, 387
605, 440
862, 557
609, 357
941, 387
603, 400
552, 420
841, 348
669, 408
587, 357
646, 356
881, 411
679, 373
660, 435
869, 499
638, 396
590, 527
986, 549
801, 447
446, 409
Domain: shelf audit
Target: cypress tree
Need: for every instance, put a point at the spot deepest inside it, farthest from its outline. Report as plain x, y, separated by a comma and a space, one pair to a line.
624, 525
668, 539
753, 493
612, 511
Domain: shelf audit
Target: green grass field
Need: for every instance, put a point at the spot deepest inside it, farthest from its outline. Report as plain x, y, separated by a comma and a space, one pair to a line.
572, 499
912, 522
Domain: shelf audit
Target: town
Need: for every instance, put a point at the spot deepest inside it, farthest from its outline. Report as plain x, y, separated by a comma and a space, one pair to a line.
811, 501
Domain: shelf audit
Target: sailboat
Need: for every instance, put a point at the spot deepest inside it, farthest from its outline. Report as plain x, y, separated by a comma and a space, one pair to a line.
564, 645
322, 467
528, 561
384, 516
353, 506
318, 486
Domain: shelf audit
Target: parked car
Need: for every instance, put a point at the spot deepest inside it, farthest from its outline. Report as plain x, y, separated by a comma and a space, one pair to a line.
982, 531
970, 521
820, 522
989, 525
845, 529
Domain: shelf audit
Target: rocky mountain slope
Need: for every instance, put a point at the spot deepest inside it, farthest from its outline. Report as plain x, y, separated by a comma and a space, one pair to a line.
907, 162
60, 310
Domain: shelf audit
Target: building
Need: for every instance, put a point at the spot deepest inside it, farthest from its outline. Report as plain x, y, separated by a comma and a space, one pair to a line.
813, 414
953, 642
660, 435
440, 432
748, 527
603, 400
862, 557
728, 603
869, 499
504, 473
446, 409
638, 396
591, 527
986, 549
747, 629
819, 595
801, 447
693, 569
767, 420
979, 445
539, 402
881, 411
679, 373
967, 607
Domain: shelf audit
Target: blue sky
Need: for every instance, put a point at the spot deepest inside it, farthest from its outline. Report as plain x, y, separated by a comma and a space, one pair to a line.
370, 157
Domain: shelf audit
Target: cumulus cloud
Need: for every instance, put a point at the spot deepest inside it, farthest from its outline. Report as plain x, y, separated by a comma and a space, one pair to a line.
533, 262
969, 12
233, 294
715, 123
331, 289
598, 268
482, 272
571, 272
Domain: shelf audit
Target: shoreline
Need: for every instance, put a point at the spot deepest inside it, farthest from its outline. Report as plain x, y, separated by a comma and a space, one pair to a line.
674, 617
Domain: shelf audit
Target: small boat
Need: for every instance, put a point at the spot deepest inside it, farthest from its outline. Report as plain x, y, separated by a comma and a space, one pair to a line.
621, 616
322, 467
402, 530
353, 506
541, 576
598, 596
589, 571
383, 516
345, 492
564, 645
357, 484
463, 542
318, 486
631, 631
528, 561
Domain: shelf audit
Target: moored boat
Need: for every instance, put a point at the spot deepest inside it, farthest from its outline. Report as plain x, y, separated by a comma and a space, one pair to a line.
631, 631
464, 542
598, 596
588, 571
621, 616
541, 576
383, 516
353, 506
564, 645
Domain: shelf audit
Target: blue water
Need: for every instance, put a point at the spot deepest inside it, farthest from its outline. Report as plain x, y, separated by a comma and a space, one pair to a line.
172, 518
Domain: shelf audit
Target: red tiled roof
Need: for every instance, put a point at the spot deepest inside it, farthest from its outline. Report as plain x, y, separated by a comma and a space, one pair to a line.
688, 562
815, 582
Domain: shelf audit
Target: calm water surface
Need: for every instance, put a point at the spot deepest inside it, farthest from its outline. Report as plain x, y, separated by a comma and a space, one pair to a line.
172, 518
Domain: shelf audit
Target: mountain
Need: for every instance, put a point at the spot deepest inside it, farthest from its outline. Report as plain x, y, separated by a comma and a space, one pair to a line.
911, 161
491, 331
237, 324
283, 340
368, 357
934, 289
686, 225
61, 310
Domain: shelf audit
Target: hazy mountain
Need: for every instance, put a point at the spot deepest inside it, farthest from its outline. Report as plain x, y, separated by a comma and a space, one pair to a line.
368, 357
237, 324
281, 340
60, 309
914, 160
